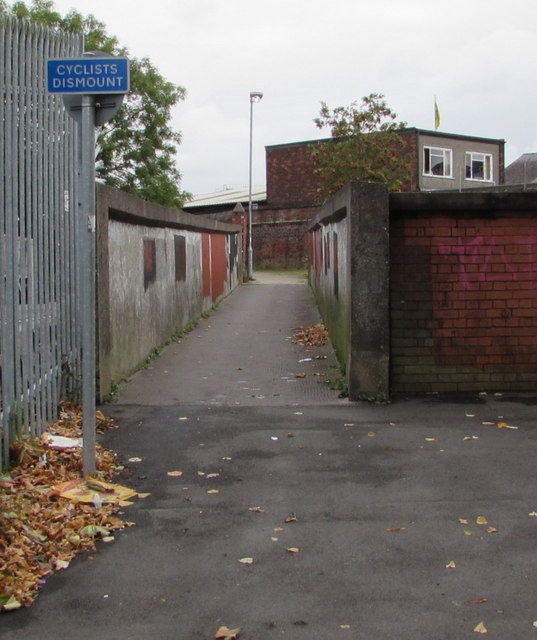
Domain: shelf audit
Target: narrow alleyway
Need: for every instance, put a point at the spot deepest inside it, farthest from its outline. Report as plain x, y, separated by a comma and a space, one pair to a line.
271, 505
244, 353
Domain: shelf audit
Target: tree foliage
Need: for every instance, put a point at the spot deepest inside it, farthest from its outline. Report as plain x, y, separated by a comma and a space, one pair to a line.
136, 150
366, 146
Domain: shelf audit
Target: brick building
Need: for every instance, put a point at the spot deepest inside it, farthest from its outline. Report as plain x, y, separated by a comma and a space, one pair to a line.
439, 161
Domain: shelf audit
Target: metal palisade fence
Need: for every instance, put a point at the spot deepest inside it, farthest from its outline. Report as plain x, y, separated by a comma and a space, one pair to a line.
39, 327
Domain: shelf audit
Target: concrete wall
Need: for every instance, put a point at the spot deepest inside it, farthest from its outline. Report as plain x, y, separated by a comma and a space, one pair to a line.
349, 275
158, 270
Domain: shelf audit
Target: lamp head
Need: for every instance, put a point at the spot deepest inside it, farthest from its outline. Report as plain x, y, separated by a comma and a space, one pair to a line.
255, 96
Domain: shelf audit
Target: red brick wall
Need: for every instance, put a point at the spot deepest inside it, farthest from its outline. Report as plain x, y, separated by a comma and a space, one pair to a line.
290, 174
463, 302
279, 237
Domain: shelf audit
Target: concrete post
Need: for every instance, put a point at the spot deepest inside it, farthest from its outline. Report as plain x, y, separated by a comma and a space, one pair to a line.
368, 362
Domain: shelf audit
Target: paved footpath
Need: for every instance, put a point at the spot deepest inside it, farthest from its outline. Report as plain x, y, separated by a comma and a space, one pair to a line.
414, 520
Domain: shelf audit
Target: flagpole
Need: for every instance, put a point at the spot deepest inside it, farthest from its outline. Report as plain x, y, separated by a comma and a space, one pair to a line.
436, 115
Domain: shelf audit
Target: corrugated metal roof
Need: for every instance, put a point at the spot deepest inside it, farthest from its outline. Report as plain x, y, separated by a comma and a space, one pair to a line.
523, 170
228, 197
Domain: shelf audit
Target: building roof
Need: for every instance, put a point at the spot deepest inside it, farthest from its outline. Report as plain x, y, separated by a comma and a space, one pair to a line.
407, 130
227, 196
523, 170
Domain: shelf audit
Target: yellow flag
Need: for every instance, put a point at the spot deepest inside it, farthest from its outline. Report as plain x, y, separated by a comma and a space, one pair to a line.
436, 115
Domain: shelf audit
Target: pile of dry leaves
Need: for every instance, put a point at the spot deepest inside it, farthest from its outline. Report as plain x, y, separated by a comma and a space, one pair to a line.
41, 532
313, 336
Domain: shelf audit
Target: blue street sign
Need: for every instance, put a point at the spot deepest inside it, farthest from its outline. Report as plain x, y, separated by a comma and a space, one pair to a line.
88, 75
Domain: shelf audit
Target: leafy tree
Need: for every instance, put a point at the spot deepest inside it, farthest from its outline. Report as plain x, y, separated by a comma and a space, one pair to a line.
366, 146
136, 149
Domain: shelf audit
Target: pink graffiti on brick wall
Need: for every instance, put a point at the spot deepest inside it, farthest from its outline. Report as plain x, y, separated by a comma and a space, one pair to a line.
484, 252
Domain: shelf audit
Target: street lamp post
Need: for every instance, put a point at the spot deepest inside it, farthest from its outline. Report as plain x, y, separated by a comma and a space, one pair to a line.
255, 96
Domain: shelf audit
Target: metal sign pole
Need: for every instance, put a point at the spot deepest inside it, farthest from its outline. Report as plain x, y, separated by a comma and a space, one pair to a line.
93, 88
87, 245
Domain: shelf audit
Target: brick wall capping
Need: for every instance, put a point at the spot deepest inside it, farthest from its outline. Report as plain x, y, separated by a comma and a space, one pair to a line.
125, 207
464, 201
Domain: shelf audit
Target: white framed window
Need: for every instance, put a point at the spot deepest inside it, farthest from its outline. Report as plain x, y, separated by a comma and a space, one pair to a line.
478, 166
437, 162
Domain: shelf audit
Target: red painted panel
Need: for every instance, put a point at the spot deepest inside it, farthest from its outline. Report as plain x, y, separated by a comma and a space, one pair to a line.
206, 263
219, 272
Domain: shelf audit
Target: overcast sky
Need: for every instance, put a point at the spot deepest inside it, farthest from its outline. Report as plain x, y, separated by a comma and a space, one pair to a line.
478, 57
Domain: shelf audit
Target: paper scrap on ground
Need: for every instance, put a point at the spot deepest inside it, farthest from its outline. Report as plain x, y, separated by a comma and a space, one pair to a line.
61, 442
78, 491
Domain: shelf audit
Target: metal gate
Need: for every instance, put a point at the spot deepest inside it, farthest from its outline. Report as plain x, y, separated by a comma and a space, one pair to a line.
39, 332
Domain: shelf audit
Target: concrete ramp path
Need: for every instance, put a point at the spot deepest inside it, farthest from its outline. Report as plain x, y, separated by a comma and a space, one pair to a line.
243, 354
295, 514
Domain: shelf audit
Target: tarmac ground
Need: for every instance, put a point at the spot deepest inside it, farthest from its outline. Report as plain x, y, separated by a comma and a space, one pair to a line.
414, 520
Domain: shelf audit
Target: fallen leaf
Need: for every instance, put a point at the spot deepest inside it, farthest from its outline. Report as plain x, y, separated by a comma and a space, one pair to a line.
481, 520
298, 413
11, 604
224, 633
183, 418
390, 449
492, 530
470, 415
278, 529
63, 564
291, 518
533, 513
94, 530
313, 336
371, 434
226, 458
478, 601
463, 521
256, 509
290, 435
349, 424
344, 626
300, 375
135, 459
394, 529
175, 474
535, 623
201, 473
480, 628
293, 549
246, 560
213, 491
451, 565
274, 539
468, 532
143, 495
213, 475
430, 439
